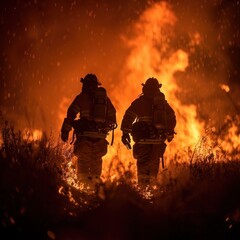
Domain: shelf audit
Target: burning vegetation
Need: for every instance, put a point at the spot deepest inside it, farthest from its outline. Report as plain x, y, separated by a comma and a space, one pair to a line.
198, 193
196, 198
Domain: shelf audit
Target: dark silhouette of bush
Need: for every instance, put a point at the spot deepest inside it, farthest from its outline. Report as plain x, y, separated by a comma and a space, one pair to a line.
200, 200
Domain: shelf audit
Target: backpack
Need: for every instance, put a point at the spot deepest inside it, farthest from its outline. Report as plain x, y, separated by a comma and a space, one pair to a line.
159, 111
99, 111
157, 128
100, 108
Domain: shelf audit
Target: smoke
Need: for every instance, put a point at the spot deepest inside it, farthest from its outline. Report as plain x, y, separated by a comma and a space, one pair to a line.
208, 31
47, 46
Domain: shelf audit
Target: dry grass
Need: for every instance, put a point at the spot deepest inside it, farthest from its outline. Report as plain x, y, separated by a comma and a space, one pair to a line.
195, 200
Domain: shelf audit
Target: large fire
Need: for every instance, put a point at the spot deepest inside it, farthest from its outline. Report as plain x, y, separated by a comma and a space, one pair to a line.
32, 135
152, 54
45, 55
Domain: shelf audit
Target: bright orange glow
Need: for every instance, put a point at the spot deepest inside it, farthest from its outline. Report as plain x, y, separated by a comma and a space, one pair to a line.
225, 88
151, 54
230, 142
148, 58
60, 190
62, 110
32, 135
68, 194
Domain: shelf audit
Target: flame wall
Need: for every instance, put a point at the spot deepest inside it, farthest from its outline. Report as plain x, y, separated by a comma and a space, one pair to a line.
190, 46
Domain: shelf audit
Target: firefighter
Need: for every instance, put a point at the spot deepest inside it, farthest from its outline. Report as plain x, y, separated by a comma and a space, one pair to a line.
96, 117
150, 121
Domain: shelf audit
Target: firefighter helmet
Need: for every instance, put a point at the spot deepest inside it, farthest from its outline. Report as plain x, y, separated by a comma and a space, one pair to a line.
151, 86
90, 79
153, 82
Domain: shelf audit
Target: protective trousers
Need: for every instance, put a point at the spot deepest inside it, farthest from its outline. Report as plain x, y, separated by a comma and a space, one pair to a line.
148, 158
90, 152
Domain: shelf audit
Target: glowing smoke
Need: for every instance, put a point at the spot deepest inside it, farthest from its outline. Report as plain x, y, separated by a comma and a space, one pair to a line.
46, 47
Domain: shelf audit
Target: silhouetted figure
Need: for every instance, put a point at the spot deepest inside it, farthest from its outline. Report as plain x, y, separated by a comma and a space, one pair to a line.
151, 121
97, 118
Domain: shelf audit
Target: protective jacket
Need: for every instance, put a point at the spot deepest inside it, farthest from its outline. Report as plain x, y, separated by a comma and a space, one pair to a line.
83, 104
141, 110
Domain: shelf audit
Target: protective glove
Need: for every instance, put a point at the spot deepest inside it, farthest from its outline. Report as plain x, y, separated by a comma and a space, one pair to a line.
64, 136
126, 140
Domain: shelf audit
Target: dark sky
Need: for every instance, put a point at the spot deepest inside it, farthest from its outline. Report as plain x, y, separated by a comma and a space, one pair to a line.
46, 46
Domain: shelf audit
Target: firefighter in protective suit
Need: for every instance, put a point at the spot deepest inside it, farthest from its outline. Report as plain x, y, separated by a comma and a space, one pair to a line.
151, 121
97, 116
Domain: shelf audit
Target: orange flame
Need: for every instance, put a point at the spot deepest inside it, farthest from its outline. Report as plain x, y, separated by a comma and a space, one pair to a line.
151, 55
230, 141
32, 135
